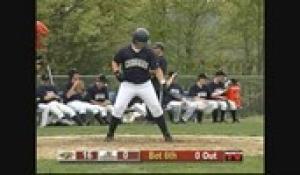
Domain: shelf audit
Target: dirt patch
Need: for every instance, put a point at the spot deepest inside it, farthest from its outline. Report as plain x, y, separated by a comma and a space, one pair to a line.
47, 147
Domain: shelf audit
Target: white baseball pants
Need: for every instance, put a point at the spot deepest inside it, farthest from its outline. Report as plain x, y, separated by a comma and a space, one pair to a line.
206, 106
57, 108
145, 91
83, 107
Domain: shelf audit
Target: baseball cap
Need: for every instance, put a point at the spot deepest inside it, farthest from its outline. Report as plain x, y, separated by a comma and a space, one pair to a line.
202, 76
102, 78
39, 57
170, 73
158, 45
72, 72
45, 77
234, 81
220, 73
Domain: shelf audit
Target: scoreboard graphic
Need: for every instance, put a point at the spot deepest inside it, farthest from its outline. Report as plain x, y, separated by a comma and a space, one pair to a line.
150, 156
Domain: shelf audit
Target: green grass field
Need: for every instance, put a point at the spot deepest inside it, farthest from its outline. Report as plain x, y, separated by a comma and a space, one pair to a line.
251, 126
249, 165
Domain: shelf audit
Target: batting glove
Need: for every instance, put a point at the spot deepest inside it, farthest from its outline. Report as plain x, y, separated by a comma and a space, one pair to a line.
119, 76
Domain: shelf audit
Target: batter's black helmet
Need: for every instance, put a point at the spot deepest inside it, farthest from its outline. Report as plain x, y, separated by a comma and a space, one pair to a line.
140, 35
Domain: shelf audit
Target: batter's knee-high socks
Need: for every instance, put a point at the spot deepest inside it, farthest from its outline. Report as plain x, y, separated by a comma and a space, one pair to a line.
113, 126
215, 115
162, 125
149, 116
222, 116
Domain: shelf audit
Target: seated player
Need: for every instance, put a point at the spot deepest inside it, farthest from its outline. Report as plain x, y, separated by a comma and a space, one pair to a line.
200, 101
97, 94
173, 98
217, 90
49, 101
234, 98
74, 98
136, 110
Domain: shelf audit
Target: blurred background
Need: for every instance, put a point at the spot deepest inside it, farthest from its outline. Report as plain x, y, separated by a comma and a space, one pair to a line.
199, 36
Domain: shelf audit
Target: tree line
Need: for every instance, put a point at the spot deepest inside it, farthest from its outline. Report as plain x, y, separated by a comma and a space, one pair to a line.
199, 35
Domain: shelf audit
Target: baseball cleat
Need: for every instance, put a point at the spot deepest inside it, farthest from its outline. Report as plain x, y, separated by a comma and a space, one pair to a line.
168, 138
108, 139
236, 121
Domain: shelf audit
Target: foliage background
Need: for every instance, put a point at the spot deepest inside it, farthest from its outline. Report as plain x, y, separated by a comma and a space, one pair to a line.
200, 35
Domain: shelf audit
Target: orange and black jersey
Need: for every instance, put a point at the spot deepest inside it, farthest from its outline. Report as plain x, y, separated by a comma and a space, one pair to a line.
233, 93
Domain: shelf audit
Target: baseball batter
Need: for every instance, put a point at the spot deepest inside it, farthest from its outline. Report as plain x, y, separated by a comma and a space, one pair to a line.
138, 62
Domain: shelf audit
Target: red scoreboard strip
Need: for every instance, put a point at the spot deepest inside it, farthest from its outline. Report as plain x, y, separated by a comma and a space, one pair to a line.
150, 156
129, 156
182, 155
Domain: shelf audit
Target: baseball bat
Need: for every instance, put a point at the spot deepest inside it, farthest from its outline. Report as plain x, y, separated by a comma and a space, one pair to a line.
161, 94
50, 74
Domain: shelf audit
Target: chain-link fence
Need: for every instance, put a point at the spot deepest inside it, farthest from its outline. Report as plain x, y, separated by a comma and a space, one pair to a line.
252, 88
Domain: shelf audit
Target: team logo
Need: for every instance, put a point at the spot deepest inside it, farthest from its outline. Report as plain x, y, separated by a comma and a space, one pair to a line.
99, 96
136, 62
175, 91
202, 94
